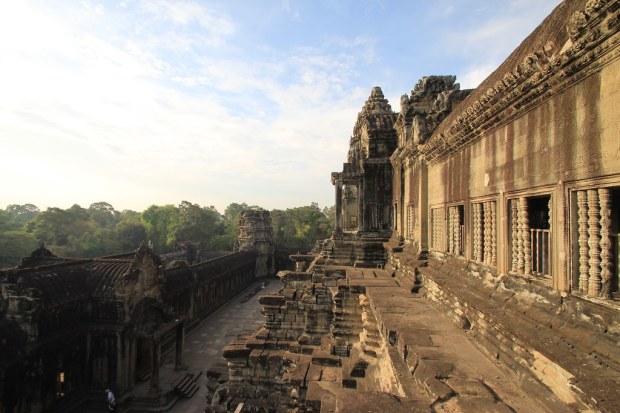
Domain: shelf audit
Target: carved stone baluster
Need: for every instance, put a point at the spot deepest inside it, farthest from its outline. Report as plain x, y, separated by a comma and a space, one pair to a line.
527, 243
493, 234
521, 236
450, 227
515, 233
486, 214
478, 232
444, 246
582, 204
547, 253
457, 231
594, 284
606, 242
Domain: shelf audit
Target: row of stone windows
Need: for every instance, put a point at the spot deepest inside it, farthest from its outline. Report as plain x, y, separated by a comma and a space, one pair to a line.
529, 227
594, 229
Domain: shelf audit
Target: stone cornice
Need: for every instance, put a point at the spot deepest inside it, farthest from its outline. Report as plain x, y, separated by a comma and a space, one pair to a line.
593, 44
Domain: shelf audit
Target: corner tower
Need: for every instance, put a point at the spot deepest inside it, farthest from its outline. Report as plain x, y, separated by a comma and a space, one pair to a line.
256, 234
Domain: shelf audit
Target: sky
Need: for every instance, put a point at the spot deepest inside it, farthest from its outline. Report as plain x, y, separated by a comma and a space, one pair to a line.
142, 102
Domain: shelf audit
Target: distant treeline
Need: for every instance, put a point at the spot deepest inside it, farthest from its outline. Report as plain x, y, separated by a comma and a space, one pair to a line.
101, 230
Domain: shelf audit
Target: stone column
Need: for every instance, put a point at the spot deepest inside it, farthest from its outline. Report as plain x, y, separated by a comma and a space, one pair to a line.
180, 345
582, 204
155, 362
119, 362
606, 242
514, 216
338, 227
88, 360
594, 247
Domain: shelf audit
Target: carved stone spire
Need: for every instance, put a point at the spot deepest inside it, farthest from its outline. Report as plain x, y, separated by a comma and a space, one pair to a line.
376, 103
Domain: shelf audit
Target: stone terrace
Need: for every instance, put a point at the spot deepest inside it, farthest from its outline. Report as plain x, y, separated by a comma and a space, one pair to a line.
341, 339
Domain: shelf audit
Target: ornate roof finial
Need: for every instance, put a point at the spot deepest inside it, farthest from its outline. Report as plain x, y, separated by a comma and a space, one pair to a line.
376, 103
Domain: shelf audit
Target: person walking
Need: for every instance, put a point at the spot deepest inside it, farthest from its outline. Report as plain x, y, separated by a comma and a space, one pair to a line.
111, 400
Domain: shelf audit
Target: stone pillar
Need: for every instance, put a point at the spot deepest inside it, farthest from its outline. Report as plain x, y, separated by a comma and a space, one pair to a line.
514, 216
180, 345
88, 359
493, 220
606, 242
582, 204
119, 362
594, 248
338, 227
155, 362
133, 356
478, 231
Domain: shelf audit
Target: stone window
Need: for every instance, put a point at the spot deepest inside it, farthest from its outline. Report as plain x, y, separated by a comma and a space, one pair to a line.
438, 229
595, 230
455, 229
530, 235
485, 232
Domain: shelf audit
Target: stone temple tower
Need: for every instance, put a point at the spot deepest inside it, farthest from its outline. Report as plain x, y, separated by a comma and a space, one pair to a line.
256, 234
364, 210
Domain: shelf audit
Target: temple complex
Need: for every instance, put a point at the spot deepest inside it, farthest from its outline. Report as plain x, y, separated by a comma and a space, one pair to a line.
474, 265
475, 261
72, 327
364, 187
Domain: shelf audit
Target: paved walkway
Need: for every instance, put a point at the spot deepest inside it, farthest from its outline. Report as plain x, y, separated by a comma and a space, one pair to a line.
203, 346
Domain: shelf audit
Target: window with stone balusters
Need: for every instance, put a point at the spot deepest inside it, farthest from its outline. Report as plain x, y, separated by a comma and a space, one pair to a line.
438, 229
530, 235
484, 232
410, 220
595, 227
456, 229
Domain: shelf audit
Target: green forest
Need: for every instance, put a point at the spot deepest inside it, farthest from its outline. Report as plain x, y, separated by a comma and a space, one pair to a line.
101, 230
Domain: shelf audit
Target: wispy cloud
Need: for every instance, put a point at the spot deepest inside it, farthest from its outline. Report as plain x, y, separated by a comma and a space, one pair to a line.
152, 102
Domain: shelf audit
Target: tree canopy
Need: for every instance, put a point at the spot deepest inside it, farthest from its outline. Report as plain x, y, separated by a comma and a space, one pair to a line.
101, 230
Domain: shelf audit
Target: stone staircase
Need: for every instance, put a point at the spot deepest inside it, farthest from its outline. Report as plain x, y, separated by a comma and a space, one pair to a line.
186, 384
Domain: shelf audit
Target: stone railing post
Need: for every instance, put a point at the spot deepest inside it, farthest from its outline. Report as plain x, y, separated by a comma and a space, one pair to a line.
582, 204
606, 242
594, 247
478, 228
493, 233
514, 216
525, 229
